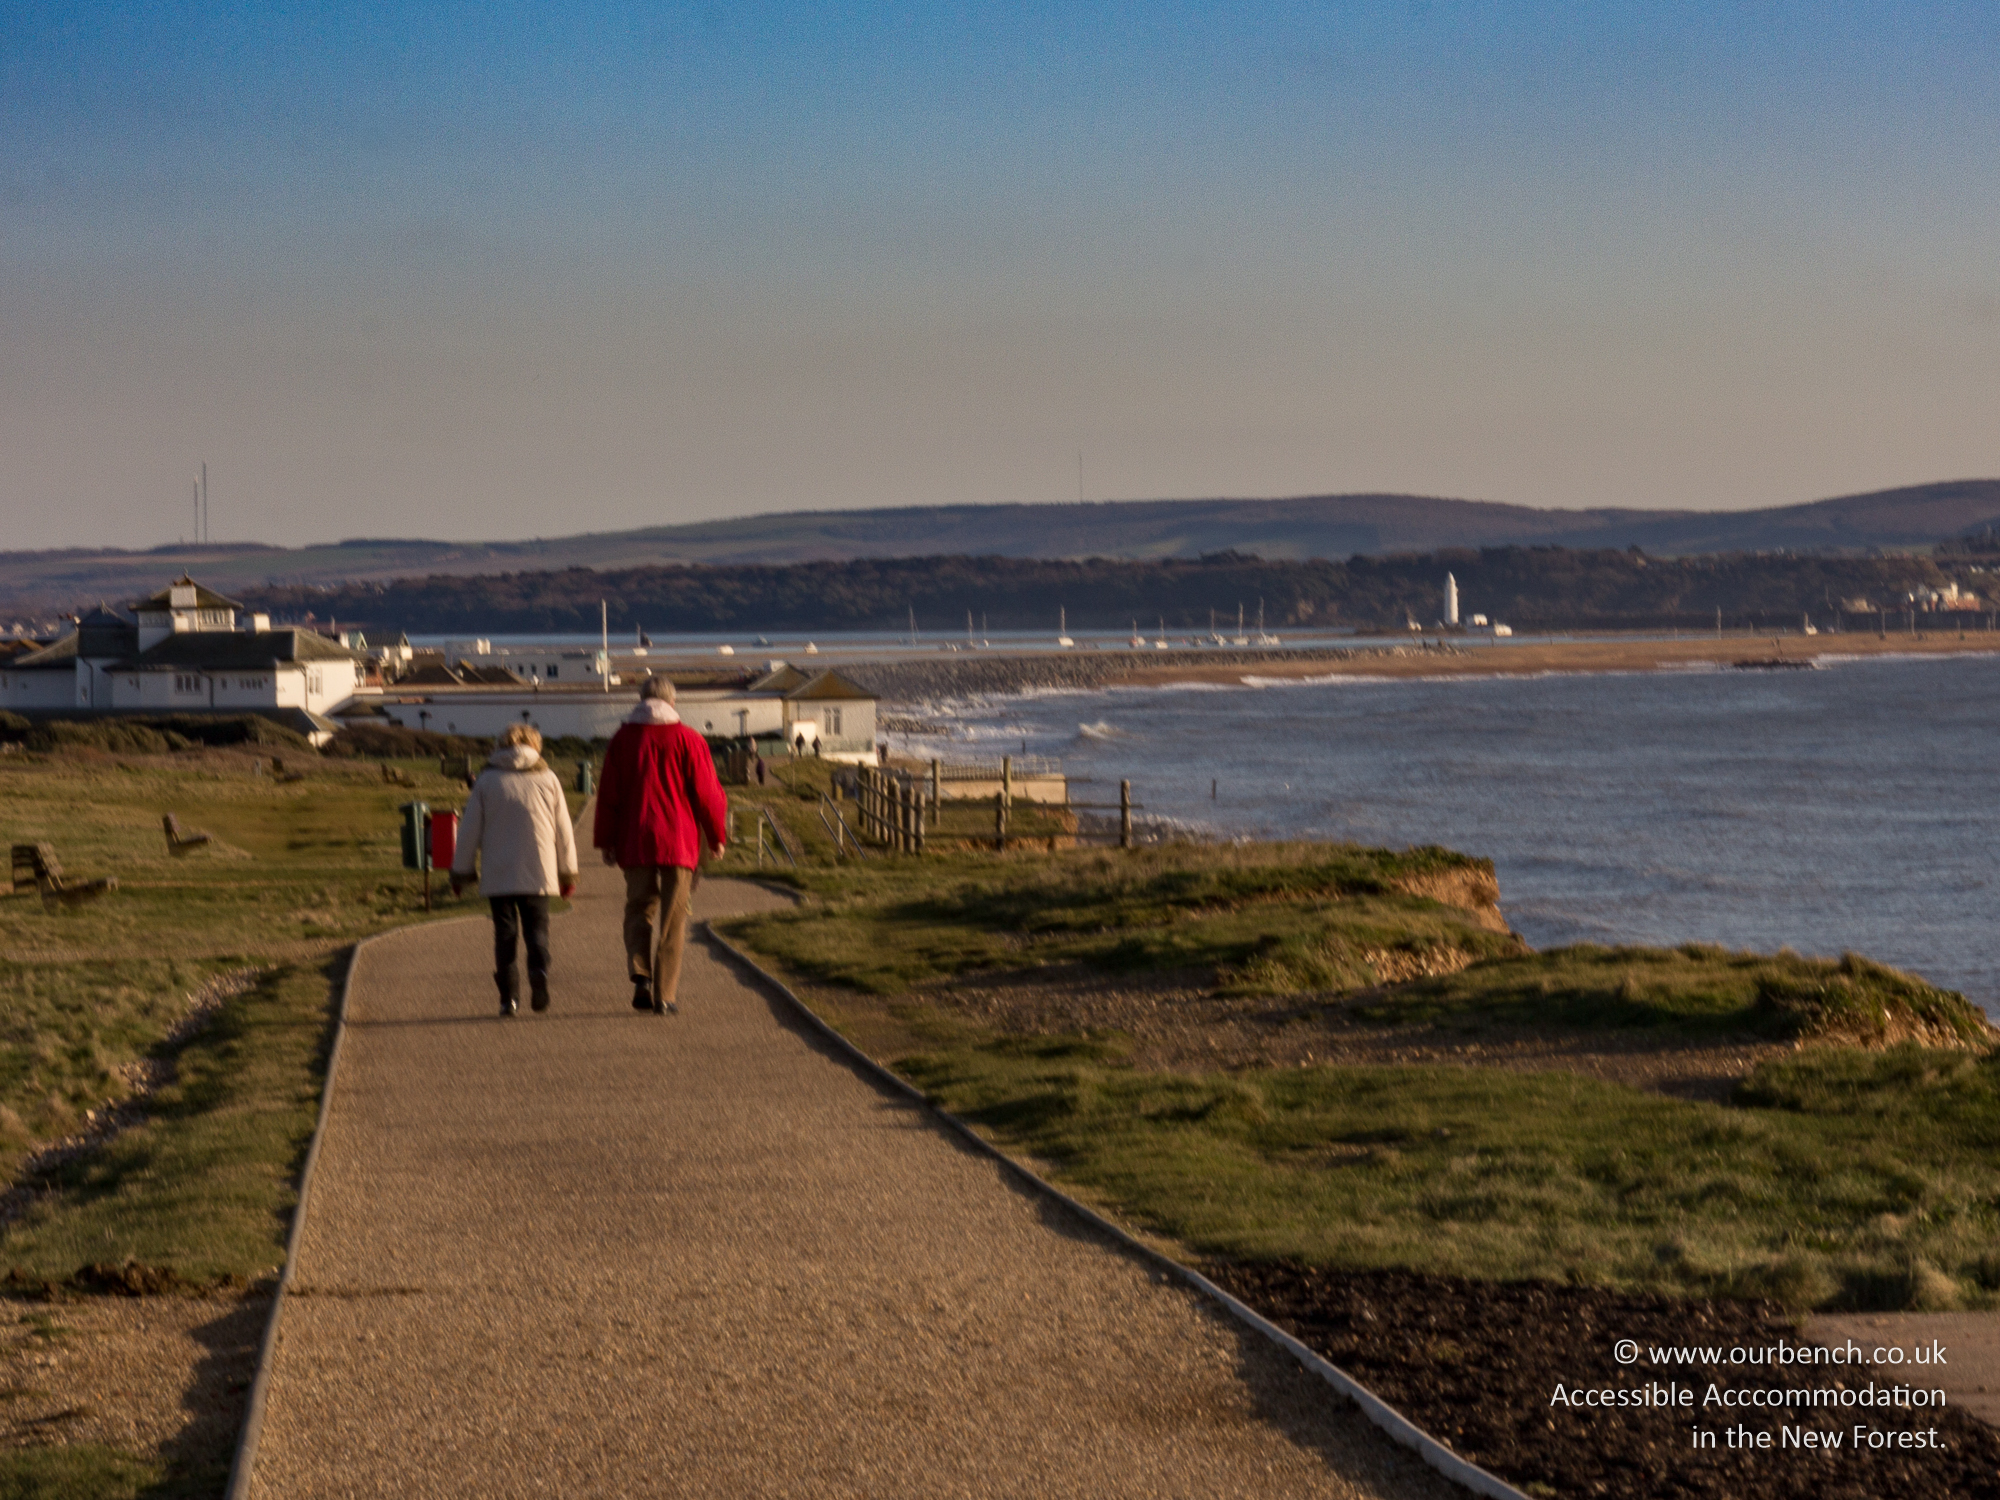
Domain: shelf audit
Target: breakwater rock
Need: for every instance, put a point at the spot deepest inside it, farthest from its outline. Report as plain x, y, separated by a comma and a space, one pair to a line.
969, 675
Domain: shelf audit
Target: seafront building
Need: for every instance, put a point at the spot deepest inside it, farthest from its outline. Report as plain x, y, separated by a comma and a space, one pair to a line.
183, 651
189, 650
821, 713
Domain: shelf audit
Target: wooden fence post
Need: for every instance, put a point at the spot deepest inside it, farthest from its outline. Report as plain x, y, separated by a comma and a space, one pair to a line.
999, 821
1124, 815
937, 790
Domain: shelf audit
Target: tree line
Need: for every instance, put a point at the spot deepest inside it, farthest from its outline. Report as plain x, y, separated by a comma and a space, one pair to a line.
1526, 587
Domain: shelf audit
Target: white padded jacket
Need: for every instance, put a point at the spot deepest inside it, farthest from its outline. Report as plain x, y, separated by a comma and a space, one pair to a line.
517, 823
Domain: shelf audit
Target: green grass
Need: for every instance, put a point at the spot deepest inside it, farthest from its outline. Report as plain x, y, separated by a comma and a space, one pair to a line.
206, 1183
1882, 1193
82, 1471
298, 871
1840, 1176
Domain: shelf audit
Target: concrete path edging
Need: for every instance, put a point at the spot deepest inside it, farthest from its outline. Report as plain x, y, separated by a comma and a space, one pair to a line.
1459, 1470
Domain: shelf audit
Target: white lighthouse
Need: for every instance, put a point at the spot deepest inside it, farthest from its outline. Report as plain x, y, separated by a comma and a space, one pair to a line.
1450, 600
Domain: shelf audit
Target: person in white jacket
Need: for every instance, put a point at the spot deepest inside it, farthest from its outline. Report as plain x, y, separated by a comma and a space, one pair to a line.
516, 824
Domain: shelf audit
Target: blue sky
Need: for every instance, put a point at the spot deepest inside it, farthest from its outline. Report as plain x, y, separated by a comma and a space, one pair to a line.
513, 270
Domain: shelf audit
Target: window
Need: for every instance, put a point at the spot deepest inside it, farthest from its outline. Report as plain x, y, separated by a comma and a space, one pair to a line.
185, 682
554, 668
833, 723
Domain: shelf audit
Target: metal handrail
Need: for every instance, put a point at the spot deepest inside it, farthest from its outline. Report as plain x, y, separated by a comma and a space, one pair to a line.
840, 818
784, 843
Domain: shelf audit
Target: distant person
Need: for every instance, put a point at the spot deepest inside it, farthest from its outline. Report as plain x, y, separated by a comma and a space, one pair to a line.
516, 824
658, 804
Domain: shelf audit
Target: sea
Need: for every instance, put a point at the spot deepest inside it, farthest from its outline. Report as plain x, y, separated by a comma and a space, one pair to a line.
1851, 807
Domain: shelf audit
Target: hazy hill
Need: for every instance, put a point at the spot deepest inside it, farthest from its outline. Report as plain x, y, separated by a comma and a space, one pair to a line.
1317, 526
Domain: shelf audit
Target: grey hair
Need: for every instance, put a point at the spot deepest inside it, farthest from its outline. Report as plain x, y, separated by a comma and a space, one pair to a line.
657, 687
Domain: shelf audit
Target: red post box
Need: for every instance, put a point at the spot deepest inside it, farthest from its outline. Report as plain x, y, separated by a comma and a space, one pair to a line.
444, 839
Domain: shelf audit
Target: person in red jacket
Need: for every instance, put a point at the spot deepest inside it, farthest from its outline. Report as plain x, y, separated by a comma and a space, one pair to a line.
658, 804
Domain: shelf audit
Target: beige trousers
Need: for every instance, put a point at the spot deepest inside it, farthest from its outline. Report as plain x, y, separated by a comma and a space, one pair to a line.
648, 888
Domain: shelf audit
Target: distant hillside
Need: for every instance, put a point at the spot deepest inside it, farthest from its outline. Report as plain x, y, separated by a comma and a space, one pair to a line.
1527, 587
1320, 526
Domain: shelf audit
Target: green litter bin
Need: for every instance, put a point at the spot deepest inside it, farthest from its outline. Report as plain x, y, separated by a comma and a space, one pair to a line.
416, 835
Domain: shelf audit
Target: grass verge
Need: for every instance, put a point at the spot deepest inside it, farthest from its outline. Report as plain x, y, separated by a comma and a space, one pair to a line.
1258, 919
1860, 1176
205, 1183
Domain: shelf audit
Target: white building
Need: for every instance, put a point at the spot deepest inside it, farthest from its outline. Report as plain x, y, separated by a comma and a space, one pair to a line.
823, 709
182, 651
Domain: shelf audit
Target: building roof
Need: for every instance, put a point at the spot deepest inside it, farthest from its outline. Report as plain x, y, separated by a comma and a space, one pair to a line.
204, 596
60, 657
239, 650
782, 678
828, 684
478, 676
431, 673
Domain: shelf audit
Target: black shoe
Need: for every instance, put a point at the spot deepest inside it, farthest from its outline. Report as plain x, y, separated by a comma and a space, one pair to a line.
665, 1007
509, 981
510, 1007
538, 991
642, 992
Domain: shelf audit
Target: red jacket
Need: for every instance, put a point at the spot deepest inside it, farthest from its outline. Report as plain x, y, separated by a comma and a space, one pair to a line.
660, 799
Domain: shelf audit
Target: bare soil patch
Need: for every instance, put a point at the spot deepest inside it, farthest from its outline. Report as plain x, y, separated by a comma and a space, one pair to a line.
1176, 1025
159, 1377
1475, 1364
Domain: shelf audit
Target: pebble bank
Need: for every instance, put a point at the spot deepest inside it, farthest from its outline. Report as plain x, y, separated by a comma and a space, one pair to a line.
975, 675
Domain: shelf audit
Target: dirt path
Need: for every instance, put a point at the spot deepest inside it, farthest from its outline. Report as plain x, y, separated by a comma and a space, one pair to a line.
1958, 1351
600, 1253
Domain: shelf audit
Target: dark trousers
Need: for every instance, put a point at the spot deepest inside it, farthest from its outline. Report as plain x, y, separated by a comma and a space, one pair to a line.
528, 917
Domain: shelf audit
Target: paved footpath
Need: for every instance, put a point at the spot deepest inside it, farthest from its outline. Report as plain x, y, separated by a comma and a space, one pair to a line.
597, 1253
